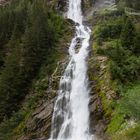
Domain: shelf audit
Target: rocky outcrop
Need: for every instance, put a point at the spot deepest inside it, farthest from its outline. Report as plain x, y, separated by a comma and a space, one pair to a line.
87, 6
62, 5
3, 2
39, 123
96, 112
100, 93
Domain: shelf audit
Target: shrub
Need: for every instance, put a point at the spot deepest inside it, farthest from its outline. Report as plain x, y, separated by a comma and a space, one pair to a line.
130, 103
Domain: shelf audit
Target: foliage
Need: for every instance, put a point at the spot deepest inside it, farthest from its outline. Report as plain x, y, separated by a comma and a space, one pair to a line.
127, 35
122, 50
136, 48
108, 30
28, 42
131, 133
130, 3
7, 126
130, 101
127, 110
123, 65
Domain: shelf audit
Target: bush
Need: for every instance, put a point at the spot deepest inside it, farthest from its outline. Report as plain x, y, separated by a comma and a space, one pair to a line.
136, 49
130, 103
126, 71
7, 126
122, 49
108, 30
127, 109
128, 35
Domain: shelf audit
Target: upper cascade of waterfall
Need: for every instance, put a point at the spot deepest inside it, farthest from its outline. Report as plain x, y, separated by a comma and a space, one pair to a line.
74, 11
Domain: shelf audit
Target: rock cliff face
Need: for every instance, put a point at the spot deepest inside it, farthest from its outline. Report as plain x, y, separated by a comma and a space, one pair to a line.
2, 2
62, 5
100, 91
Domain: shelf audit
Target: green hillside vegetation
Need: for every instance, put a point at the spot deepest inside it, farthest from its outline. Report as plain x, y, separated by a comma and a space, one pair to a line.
129, 3
33, 40
118, 38
30, 33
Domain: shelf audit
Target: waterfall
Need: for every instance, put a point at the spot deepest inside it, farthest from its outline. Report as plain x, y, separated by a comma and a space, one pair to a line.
71, 113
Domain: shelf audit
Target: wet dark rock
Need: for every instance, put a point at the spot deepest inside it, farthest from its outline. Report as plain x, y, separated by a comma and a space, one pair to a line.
62, 5
3, 2
71, 22
41, 119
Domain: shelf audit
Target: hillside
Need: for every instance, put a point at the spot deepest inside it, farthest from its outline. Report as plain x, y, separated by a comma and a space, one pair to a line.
116, 52
34, 40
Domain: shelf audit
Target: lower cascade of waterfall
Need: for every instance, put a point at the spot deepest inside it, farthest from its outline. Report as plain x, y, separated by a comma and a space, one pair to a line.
71, 113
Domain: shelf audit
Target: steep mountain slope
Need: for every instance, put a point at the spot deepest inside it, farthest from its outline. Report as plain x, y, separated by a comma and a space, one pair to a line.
34, 41
114, 67
33, 45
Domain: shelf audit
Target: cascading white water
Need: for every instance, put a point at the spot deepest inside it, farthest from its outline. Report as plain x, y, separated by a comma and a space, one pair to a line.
71, 113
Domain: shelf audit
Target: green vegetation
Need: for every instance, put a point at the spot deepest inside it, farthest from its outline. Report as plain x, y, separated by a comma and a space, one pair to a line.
126, 120
117, 39
32, 34
130, 3
118, 42
31, 44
